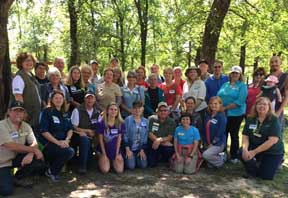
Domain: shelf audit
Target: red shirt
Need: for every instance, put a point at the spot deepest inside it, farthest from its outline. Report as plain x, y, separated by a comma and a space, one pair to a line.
143, 83
181, 83
170, 92
251, 97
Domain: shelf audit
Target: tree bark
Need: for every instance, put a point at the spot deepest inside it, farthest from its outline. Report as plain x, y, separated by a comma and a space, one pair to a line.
243, 46
213, 28
74, 54
5, 65
142, 9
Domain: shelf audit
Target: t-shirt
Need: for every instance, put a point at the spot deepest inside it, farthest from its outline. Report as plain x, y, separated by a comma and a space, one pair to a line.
77, 93
170, 92
107, 94
110, 136
143, 84
8, 134
269, 92
251, 97
186, 136
153, 93
259, 133
161, 129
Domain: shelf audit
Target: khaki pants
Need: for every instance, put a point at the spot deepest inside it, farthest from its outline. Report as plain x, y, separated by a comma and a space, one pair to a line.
186, 164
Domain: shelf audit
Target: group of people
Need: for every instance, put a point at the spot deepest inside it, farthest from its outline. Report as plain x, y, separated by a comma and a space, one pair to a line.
140, 121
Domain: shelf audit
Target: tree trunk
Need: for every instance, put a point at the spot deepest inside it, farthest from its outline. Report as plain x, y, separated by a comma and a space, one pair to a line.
213, 28
142, 9
242, 56
74, 54
189, 57
5, 65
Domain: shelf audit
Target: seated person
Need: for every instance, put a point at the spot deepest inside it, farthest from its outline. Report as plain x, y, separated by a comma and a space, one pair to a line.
84, 119
18, 148
186, 140
56, 130
135, 138
110, 129
161, 128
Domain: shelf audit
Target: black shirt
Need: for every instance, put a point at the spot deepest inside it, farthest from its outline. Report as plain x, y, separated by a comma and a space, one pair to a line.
153, 93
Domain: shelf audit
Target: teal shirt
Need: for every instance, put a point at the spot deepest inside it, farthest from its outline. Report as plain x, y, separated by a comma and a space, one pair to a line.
259, 133
236, 94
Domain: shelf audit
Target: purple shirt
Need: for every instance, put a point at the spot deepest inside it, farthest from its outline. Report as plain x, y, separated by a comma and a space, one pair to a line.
110, 136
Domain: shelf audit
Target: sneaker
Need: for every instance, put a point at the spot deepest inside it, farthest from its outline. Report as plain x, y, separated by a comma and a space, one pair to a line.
234, 161
223, 155
54, 178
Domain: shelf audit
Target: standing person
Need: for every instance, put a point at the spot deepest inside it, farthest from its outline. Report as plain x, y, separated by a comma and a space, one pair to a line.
26, 89
40, 70
117, 77
75, 87
96, 77
215, 130
84, 119
262, 144
86, 73
131, 93
155, 70
114, 63
141, 76
177, 73
203, 65
153, 95
233, 94
110, 129
19, 149
135, 138
56, 130
215, 81
254, 88
161, 128
186, 140
108, 91
59, 63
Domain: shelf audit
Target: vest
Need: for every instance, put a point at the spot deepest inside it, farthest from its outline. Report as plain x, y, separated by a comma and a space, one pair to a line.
85, 121
31, 97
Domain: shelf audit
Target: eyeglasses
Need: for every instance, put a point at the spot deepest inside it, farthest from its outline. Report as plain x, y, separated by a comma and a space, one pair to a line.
163, 110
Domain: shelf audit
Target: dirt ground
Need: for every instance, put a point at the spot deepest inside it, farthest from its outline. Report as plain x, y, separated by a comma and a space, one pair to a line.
157, 182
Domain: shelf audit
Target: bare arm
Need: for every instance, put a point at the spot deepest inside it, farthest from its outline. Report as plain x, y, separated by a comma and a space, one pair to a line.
19, 97
101, 142
118, 144
177, 100
266, 145
279, 97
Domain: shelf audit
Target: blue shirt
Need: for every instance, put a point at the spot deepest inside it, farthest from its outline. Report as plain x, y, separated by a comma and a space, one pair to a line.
186, 137
216, 128
136, 134
213, 85
56, 123
236, 94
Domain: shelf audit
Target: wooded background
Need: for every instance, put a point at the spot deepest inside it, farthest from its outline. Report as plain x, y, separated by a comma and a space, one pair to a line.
142, 32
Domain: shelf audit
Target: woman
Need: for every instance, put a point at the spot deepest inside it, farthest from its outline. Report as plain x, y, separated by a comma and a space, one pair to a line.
131, 93
141, 76
135, 138
233, 94
215, 139
254, 88
262, 145
186, 139
56, 130
195, 87
108, 91
25, 88
75, 87
87, 74
189, 108
117, 76
110, 129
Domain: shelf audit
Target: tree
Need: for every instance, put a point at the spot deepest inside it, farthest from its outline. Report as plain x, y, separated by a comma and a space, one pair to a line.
5, 65
213, 28
74, 55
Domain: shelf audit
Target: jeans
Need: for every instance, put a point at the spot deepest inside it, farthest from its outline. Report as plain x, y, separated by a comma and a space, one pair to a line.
6, 181
262, 165
135, 161
85, 151
165, 152
57, 157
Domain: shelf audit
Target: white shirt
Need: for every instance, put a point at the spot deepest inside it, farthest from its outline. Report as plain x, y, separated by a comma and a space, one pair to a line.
18, 85
75, 116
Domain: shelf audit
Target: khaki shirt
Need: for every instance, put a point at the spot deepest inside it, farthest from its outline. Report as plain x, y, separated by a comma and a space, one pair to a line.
107, 94
9, 134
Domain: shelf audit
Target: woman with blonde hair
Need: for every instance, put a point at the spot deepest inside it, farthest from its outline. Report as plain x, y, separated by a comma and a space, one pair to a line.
87, 73
110, 129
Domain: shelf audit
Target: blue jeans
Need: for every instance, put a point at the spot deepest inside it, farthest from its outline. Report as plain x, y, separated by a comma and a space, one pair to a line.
135, 161
57, 156
163, 153
84, 144
6, 181
262, 165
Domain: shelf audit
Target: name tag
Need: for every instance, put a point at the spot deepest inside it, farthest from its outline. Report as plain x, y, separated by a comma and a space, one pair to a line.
73, 88
135, 91
56, 120
114, 131
252, 126
172, 91
143, 124
257, 135
14, 135
155, 126
181, 134
214, 121
94, 121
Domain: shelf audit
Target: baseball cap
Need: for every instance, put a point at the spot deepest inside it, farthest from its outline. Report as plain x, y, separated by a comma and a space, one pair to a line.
89, 93
236, 69
16, 105
203, 61
93, 62
272, 78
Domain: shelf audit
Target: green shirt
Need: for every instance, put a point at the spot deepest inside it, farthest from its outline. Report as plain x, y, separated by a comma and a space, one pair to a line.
161, 129
259, 133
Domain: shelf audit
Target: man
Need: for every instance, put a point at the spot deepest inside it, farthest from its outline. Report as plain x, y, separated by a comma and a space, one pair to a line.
203, 65
177, 71
275, 69
161, 129
40, 70
18, 148
155, 69
96, 78
59, 63
215, 81
84, 119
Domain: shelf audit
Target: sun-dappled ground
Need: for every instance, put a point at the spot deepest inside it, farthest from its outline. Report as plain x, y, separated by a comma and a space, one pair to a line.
160, 182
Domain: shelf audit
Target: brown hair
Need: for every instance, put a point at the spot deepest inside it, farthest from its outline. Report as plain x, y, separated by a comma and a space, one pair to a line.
22, 57
63, 107
118, 119
143, 69
70, 82
218, 99
254, 113
106, 70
